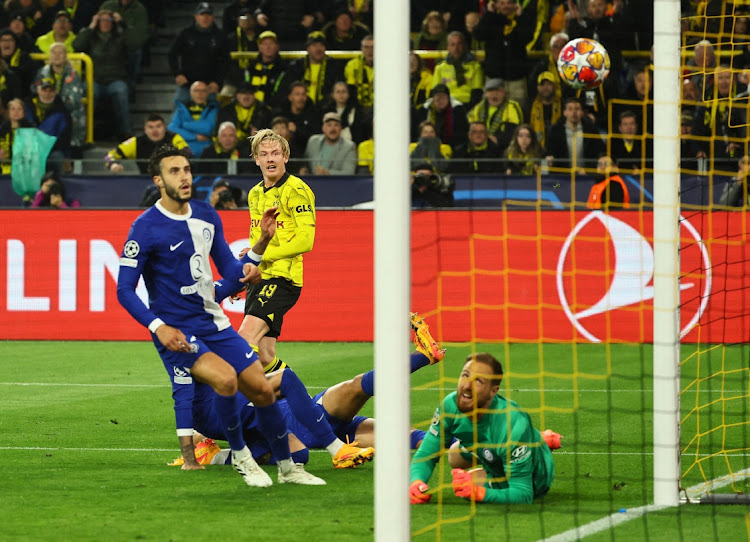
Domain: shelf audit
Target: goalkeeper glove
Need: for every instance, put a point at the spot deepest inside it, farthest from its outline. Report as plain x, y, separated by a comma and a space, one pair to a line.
463, 486
418, 492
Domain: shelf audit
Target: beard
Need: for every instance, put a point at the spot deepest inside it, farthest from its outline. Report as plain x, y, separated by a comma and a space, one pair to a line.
174, 194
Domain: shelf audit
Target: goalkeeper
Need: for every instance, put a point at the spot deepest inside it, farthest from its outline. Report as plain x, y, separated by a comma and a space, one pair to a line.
483, 429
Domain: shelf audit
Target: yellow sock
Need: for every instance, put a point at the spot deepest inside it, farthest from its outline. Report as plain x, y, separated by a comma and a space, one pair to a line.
275, 365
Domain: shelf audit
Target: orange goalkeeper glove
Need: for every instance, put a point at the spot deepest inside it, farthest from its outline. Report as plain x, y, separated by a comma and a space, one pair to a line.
418, 492
463, 486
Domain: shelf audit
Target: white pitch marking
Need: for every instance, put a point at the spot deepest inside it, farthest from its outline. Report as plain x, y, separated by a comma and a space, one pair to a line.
613, 520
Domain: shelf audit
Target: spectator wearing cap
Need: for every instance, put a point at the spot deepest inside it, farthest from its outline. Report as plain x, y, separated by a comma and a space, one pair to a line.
81, 12
478, 155
506, 28
135, 19
328, 153
242, 36
360, 74
265, 72
460, 72
290, 19
226, 147
71, 88
447, 114
546, 108
17, 59
549, 64
573, 142
107, 41
356, 124
16, 119
17, 25
318, 71
32, 13
343, 33
199, 53
233, 12
47, 112
304, 118
140, 148
245, 112
195, 120
61, 32
500, 114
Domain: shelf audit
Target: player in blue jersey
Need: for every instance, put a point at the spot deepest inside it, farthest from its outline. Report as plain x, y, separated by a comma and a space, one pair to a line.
170, 246
340, 404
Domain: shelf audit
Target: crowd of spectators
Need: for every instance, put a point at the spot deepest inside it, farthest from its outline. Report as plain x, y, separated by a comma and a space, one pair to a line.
490, 101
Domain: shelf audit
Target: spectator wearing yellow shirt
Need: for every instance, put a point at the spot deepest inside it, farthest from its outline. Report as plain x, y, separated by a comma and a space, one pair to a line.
460, 72
501, 115
61, 33
360, 75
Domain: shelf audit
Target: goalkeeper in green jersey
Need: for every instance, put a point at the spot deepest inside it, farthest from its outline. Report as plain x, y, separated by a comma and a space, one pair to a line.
512, 460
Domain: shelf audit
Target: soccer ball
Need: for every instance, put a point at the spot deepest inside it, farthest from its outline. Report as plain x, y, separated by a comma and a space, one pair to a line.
583, 63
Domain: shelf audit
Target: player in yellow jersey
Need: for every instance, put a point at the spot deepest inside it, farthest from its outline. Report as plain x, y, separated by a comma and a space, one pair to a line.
267, 302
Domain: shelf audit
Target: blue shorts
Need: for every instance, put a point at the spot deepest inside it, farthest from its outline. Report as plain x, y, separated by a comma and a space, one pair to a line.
227, 344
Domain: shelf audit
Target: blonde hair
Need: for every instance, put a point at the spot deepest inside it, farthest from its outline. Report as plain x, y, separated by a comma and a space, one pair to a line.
268, 135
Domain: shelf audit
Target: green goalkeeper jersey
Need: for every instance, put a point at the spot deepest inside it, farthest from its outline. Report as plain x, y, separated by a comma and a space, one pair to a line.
518, 463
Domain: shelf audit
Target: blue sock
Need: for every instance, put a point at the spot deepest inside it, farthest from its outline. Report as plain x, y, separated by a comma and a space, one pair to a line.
304, 408
274, 429
417, 435
300, 456
368, 383
230, 417
418, 360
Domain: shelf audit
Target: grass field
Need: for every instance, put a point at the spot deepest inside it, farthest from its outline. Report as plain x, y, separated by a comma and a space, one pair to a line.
87, 430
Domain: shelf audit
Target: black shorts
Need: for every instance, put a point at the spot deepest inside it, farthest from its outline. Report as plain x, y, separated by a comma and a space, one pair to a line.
270, 300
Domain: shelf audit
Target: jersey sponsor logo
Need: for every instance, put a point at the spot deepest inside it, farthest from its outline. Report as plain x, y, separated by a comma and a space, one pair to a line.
303, 209
128, 262
187, 290
172, 248
132, 248
620, 275
519, 453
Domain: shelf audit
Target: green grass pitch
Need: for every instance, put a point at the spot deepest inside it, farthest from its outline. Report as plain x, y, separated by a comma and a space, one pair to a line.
88, 428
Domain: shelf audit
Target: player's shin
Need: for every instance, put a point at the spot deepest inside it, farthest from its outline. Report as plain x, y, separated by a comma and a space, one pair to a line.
272, 424
227, 410
306, 411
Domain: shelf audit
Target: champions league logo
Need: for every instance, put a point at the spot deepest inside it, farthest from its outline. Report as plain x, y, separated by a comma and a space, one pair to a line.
596, 278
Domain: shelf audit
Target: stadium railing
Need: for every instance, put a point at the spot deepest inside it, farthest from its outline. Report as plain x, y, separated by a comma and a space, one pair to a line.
89, 78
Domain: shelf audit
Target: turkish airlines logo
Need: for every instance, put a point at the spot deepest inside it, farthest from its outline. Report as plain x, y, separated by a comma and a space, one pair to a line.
605, 274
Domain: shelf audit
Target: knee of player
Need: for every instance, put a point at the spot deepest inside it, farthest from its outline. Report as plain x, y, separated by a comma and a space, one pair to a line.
226, 385
264, 396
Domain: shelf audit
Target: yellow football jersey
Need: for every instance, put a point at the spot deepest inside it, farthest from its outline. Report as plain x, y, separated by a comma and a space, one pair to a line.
295, 226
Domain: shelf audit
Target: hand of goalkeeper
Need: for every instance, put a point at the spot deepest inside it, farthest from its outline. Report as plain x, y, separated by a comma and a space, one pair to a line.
463, 486
418, 492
